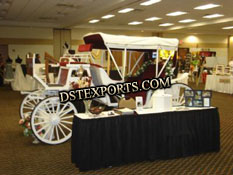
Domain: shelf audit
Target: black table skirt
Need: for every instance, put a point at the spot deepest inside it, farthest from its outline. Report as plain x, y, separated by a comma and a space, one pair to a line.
104, 142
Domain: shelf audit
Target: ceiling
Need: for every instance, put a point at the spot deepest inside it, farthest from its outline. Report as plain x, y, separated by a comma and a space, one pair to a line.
77, 13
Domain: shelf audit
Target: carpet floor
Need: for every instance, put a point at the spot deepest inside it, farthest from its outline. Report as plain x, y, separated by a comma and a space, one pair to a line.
18, 156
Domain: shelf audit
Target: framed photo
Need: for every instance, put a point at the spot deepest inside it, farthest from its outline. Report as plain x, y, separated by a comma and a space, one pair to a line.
206, 102
227, 70
206, 94
198, 95
189, 93
198, 103
220, 69
139, 103
189, 101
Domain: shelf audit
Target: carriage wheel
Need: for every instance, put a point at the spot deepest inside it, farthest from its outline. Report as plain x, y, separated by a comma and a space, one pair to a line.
29, 103
51, 121
177, 92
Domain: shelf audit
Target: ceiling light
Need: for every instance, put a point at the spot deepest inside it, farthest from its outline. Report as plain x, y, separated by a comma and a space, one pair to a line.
187, 20
150, 2
126, 10
94, 21
213, 16
107, 16
152, 19
227, 28
166, 24
135, 23
207, 6
178, 13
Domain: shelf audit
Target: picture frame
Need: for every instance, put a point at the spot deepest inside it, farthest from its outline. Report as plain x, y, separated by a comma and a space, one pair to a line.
189, 93
198, 103
206, 102
219, 69
189, 101
206, 93
139, 103
198, 98
227, 70
198, 95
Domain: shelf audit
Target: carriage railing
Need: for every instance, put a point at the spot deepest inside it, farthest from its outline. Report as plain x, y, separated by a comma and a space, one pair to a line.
80, 57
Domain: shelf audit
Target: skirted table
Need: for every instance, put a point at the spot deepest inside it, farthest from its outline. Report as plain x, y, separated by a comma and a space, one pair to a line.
103, 142
219, 83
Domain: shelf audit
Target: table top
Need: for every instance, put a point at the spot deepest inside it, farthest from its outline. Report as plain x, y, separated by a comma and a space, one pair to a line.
108, 114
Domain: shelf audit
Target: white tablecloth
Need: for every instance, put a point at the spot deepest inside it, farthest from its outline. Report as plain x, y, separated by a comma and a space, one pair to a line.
219, 83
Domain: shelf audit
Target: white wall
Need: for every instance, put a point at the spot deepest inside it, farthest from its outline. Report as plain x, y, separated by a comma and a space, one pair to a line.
22, 50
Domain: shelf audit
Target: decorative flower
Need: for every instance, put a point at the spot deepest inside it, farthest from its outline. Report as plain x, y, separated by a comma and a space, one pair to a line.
21, 121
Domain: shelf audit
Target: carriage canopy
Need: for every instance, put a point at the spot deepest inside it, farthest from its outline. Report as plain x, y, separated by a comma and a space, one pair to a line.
102, 41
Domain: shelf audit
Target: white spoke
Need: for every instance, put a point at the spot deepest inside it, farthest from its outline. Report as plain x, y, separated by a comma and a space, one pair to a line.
40, 117
47, 107
58, 107
66, 122
29, 104
52, 107
51, 135
47, 131
25, 107
40, 123
63, 108
34, 101
45, 113
66, 127
38, 131
65, 112
61, 130
58, 138
181, 98
71, 116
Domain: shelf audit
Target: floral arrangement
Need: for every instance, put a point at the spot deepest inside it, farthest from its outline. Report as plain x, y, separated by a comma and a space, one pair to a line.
168, 69
25, 123
142, 68
82, 82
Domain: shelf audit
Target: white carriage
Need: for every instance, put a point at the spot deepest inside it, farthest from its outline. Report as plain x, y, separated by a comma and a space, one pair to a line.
51, 121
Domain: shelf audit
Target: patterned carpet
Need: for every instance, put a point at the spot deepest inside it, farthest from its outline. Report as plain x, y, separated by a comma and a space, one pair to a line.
18, 156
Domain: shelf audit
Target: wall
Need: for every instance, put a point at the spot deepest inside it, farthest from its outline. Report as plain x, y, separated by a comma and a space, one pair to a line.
21, 40
218, 43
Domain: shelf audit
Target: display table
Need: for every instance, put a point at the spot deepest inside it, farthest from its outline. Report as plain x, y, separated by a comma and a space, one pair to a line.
219, 83
111, 141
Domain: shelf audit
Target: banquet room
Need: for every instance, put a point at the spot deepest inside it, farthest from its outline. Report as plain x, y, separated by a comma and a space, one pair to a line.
128, 87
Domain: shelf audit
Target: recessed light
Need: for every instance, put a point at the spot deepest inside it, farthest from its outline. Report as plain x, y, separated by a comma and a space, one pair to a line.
94, 21
135, 23
187, 20
178, 13
166, 24
125, 10
150, 2
227, 28
107, 16
207, 6
152, 19
213, 16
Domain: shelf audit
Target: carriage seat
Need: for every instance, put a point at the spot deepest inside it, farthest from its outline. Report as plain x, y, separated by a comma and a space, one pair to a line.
62, 78
100, 76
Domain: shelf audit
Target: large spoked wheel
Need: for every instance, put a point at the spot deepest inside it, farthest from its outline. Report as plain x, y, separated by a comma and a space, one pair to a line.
51, 121
177, 92
29, 103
